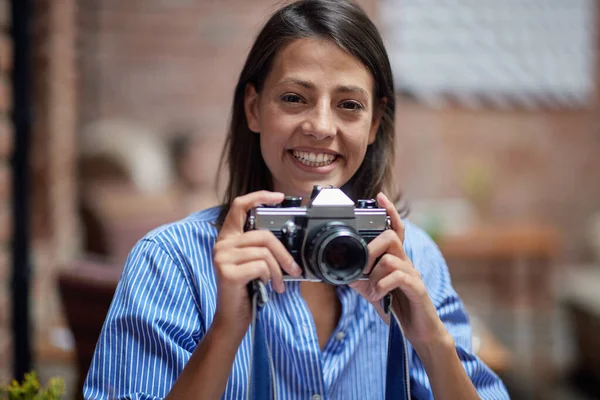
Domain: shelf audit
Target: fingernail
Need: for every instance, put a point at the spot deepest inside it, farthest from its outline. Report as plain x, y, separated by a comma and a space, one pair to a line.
296, 269
280, 287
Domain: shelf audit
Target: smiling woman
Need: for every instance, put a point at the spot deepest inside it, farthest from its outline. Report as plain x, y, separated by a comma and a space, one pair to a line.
314, 105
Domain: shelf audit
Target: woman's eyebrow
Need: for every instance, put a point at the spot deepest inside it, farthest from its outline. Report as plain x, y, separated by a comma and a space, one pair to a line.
295, 81
338, 89
351, 89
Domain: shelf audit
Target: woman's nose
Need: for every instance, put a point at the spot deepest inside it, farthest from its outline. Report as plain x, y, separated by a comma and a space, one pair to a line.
320, 123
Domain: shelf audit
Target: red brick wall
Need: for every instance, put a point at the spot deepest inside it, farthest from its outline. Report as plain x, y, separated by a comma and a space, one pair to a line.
6, 139
163, 62
544, 165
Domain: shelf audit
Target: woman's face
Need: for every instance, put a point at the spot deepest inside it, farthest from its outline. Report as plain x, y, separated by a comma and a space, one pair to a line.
315, 115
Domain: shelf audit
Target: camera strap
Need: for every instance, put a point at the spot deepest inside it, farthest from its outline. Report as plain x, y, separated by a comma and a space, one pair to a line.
261, 380
397, 379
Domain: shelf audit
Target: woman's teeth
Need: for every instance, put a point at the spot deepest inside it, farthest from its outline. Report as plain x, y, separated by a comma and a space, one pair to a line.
314, 159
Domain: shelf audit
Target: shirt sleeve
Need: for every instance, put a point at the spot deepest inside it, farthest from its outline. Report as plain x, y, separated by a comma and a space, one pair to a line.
427, 258
151, 329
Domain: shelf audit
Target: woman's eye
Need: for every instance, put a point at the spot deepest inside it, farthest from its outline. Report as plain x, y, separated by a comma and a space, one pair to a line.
351, 105
291, 98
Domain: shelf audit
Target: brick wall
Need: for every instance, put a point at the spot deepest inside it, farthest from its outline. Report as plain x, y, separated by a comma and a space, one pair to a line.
544, 165
6, 138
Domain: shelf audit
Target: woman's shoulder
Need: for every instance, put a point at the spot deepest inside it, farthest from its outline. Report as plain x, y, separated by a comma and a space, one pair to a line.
202, 222
189, 237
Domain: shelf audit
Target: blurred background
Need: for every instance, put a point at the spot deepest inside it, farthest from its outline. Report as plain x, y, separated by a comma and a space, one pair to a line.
118, 112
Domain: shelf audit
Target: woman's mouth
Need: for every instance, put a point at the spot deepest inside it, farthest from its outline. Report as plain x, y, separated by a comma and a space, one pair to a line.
314, 159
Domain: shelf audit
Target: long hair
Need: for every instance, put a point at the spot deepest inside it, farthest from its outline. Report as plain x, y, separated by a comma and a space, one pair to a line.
346, 25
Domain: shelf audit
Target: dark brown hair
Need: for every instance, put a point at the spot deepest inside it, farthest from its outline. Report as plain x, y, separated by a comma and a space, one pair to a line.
346, 25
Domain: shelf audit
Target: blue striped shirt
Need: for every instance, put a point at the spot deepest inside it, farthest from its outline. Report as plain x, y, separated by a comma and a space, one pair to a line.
166, 300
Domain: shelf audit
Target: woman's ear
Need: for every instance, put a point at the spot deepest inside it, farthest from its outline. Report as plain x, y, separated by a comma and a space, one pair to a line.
378, 112
251, 108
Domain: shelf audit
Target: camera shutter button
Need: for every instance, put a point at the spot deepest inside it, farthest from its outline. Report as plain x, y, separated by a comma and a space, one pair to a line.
364, 203
290, 201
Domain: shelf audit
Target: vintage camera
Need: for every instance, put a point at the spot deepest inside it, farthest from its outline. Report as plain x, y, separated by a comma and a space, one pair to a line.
328, 238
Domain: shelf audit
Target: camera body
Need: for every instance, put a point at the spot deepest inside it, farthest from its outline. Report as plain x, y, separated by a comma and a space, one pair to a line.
328, 237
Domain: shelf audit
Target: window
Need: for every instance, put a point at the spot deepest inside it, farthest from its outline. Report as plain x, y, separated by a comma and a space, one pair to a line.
532, 53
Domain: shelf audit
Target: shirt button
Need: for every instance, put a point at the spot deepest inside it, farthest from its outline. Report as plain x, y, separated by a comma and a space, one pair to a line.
340, 335
306, 329
316, 397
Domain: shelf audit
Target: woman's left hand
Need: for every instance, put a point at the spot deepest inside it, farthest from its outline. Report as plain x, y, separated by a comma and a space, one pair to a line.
394, 273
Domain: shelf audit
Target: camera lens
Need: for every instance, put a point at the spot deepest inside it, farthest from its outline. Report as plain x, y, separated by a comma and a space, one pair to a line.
344, 256
337, 254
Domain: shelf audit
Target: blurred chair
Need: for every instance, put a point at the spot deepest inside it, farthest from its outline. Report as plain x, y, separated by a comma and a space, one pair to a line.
86, 288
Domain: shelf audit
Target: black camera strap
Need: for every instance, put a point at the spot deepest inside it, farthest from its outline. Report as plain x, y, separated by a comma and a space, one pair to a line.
261, 380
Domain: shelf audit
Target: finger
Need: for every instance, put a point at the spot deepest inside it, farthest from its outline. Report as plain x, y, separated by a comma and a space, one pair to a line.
385, 266
236, 217
389, 264
264, 238
364, 288
247, 272
240, 256
387, 242
390, 208
412, 287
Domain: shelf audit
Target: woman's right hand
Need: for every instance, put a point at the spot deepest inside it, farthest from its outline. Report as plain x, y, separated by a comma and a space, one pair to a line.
240, 257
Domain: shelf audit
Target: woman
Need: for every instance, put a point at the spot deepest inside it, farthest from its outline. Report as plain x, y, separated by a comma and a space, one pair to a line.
314, 105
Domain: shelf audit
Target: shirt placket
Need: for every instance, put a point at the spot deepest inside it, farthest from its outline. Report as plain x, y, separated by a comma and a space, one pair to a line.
307, 343
340, 347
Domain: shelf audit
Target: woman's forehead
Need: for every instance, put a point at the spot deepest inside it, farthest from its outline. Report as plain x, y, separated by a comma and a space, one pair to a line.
319, 61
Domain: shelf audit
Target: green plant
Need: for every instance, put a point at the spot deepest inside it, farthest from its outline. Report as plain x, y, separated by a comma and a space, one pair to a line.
30, 389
